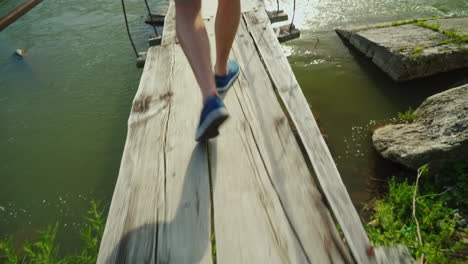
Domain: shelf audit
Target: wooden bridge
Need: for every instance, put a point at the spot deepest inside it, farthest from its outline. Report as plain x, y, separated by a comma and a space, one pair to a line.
256, 194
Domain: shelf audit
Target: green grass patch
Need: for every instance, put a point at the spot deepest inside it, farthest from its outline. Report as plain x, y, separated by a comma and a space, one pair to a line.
393, 222
402, 48
45, 250
455, 37
408, 116
416, 52
455, 177
406, 22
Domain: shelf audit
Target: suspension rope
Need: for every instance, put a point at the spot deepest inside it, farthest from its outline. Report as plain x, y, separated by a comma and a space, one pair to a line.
128, 30
292, 20
277, 7
151, 17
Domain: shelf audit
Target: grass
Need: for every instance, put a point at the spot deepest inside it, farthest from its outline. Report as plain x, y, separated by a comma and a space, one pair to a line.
417, 51
406, 22
402, 48
408, 116
455, 177
393, 222
45, 250
455, 37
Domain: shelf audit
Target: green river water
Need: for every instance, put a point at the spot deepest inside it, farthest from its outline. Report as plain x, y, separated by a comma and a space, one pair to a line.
64, 107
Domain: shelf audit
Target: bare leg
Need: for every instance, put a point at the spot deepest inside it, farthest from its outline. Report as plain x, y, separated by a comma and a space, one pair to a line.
195, 44
227, 22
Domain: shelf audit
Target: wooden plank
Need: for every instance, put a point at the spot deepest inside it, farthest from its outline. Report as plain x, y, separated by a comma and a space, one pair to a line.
169, 32
130, 232
286, 168
250, 226
290, 92
209, 9
277, 16
185, 235
249, 5
160, 211
155, 19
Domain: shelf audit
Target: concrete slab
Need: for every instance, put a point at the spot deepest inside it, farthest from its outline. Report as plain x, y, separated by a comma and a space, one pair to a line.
406, 52
460, 24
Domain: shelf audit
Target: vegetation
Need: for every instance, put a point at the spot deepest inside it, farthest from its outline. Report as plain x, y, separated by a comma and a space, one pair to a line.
406, 22
402, 48
455, 37
408, 116
454, 177
44, 249
213, 247
417, 51
419, 219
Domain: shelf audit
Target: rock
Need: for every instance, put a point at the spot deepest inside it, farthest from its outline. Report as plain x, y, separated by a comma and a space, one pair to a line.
406, 52
439, 134
20, 53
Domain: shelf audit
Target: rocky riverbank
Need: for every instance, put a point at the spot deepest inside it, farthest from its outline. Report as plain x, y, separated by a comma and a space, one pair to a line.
439, 134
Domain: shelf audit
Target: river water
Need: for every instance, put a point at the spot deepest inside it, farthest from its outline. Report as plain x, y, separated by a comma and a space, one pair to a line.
64, 107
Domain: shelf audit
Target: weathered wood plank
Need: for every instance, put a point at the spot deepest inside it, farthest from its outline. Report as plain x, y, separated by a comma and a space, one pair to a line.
250, 225
161, 210
209, 7
130, 233
169, 32
288, 174
290, 92
184, 236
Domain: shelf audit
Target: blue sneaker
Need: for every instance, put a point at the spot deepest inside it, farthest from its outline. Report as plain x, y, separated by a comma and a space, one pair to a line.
214, 113
223, 83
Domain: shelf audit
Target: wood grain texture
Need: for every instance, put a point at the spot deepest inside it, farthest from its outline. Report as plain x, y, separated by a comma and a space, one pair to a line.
250, 223
185, 235
130, 233
169, 34
290, 92
286, 178
267, 208
161, 210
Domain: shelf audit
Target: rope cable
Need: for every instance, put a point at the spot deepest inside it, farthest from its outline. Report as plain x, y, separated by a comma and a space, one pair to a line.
292, 20
128, 30
277, 7
151, 17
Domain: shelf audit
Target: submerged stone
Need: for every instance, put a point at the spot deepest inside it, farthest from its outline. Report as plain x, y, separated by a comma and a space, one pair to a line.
438, 135
407, 51
20, 53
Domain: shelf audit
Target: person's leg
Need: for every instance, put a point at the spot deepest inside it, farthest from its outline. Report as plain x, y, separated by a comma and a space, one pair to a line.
227, 22
195, 44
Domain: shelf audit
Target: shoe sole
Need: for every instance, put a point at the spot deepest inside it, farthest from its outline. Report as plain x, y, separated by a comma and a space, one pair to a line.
229, 84
209, 128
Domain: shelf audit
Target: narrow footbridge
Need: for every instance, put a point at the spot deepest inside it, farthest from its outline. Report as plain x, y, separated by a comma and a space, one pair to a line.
248, 196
